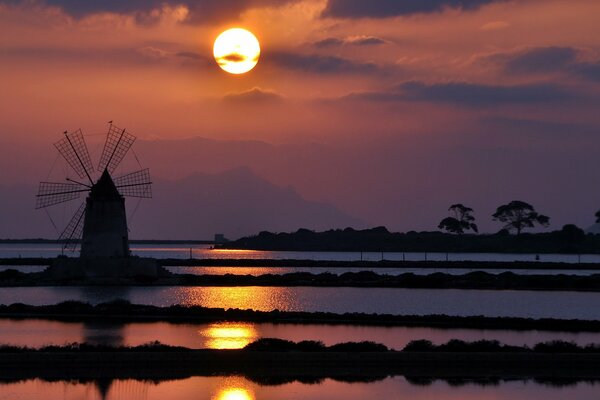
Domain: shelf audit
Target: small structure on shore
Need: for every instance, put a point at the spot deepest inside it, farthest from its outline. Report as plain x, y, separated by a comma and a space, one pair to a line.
100, 222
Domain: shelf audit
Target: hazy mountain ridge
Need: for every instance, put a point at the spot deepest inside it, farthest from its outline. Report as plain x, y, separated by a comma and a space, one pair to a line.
235, 202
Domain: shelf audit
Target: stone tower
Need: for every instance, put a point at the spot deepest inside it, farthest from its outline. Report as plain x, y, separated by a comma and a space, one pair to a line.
105, 222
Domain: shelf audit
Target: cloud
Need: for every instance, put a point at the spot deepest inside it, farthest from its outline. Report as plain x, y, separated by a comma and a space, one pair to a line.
253, 96
469, 94
328, 42
540, 59
153, 52
393, 8
495, 25
587, 70
233, 57
353, 40
145, 10
320, 64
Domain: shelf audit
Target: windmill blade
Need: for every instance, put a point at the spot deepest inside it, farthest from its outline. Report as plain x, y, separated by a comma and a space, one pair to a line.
135, 184
51, 193
73, 148
118, 143
74, 229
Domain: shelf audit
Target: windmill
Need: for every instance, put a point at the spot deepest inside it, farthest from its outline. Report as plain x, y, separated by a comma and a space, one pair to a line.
100, 221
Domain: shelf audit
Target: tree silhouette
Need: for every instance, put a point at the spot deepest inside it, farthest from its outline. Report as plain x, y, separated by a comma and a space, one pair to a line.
461, 221
598, 217
519, 215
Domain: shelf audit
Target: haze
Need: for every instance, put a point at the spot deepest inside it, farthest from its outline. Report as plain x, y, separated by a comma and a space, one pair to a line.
358, 113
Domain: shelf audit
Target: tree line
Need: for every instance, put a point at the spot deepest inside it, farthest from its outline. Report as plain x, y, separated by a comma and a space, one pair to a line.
516, 216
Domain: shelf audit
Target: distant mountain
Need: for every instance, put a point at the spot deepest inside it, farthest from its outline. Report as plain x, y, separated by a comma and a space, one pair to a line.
235, 202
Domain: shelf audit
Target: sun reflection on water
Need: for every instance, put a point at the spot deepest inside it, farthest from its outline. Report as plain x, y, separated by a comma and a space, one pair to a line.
234, 393
249, 297
229, 335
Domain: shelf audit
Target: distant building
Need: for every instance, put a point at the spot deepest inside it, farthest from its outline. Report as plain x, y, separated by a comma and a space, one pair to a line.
220, 238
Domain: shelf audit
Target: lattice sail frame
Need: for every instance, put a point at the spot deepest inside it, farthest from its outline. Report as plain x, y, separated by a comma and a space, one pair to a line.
52, 193
118, 143
74, 230
135, 184
74, 150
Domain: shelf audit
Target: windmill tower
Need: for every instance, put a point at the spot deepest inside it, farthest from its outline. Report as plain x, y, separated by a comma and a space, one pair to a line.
100, 222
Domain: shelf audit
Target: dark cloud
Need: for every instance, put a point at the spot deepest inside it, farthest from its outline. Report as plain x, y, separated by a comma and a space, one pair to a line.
547, 59
541, 59
357, 41
328, 42
253, 96
393, 8
469, 94
233, 57
366, 41
200, 10
320, 64
587, 70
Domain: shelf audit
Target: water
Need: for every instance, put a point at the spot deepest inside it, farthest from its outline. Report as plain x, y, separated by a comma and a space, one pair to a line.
235, 335
521, 303
204, 251
240, 270
239, 388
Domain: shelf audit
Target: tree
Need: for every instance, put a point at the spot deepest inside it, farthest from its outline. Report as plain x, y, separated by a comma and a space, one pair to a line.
518, 215
598, 217
461, 221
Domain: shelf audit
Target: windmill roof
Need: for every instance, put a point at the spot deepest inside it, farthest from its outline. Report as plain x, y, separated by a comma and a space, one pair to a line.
105, 187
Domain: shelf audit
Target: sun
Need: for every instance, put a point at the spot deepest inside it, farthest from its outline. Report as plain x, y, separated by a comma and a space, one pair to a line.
236, 50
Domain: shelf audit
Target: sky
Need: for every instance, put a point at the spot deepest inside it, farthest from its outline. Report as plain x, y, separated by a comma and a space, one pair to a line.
390, 111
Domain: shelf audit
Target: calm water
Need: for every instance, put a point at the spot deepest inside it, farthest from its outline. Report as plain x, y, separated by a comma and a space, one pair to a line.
222, 270
238, 388
203, 251
235, 335
533, 304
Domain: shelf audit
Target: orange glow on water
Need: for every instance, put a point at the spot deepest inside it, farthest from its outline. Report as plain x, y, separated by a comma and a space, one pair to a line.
246, 297
235, 394
229, 335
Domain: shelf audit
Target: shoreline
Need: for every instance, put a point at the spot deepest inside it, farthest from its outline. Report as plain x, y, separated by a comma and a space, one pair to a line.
291, 263
477, 280
123, 311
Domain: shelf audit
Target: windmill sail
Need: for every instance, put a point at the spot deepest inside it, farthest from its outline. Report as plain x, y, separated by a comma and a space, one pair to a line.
135, 184
118, 143
51, 193
73, 148
74, 230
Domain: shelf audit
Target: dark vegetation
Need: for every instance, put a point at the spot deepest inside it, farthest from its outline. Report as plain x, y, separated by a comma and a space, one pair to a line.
460, 221
123, 311
272, 361
270, 344
364, 279
570, 239
312, 346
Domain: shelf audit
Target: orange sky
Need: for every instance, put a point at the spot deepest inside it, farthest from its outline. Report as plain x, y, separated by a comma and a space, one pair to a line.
409, 90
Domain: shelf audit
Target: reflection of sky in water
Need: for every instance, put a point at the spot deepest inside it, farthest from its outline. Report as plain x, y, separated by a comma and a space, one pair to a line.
517, 303
36, 333
204, 251
238, 388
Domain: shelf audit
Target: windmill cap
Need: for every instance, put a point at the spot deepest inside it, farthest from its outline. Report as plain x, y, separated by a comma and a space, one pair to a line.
105, 187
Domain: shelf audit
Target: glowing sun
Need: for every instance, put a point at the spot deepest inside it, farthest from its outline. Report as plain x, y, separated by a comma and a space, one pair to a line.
236, 50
